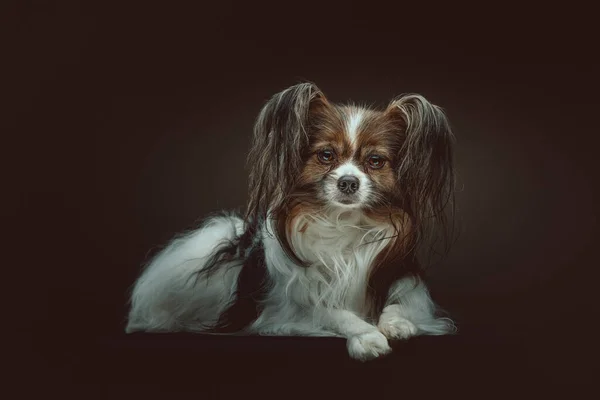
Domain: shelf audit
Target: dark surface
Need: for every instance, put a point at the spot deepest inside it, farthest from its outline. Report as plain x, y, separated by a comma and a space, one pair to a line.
148, 365
128, 123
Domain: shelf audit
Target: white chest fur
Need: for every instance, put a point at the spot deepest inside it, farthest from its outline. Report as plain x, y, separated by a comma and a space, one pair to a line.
340, 248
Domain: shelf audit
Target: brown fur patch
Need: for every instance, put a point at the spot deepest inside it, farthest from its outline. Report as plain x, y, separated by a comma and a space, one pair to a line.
379, 135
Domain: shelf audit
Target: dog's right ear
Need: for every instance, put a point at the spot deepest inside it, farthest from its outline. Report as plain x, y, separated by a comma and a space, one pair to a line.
281, 135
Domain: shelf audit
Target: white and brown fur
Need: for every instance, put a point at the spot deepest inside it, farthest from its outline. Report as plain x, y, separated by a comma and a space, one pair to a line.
307, 259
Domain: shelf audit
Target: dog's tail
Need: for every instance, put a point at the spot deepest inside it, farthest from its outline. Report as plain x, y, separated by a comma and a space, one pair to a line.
191, 282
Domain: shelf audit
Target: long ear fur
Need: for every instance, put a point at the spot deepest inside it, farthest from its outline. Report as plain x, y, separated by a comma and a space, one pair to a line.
426, 170
280, 138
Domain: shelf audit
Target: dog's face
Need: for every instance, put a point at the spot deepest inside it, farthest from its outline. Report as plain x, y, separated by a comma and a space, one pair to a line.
352, 155
309, 154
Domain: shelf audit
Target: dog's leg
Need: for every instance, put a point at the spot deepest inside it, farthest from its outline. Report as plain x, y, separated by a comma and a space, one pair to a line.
410, 311
364, 341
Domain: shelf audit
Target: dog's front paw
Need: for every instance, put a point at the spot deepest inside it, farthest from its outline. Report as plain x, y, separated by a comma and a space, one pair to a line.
395, 327
368, 346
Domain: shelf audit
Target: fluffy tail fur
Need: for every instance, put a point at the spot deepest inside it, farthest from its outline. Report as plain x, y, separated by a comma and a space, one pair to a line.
174, 293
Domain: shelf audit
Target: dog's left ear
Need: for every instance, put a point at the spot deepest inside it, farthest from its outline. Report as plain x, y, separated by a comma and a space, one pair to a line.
281, 135
425, 169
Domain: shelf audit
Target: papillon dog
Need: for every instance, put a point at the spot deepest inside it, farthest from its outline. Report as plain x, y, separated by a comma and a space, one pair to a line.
342, 199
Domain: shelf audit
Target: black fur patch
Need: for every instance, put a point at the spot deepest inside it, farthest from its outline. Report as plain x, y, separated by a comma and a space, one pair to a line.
251, 290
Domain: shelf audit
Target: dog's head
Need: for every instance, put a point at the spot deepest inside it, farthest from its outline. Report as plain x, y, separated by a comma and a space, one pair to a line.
310, 154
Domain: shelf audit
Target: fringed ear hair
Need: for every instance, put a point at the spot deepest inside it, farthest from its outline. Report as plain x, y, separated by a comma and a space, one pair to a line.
425, 170
280, 138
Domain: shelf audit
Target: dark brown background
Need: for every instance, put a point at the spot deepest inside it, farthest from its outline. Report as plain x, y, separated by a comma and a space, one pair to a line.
128, 124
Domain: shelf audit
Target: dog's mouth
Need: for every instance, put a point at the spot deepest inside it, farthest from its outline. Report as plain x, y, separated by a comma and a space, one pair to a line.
348, 199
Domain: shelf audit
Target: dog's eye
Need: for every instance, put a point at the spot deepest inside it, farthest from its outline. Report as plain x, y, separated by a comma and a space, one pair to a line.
326, 156
376, 162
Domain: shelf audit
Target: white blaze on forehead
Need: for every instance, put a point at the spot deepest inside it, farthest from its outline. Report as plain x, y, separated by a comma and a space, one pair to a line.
353, 123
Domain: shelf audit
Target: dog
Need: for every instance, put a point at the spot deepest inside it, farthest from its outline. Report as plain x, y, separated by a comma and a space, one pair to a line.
342, 201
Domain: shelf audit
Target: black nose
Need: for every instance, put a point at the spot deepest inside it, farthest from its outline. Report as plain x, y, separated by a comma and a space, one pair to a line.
348, 184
